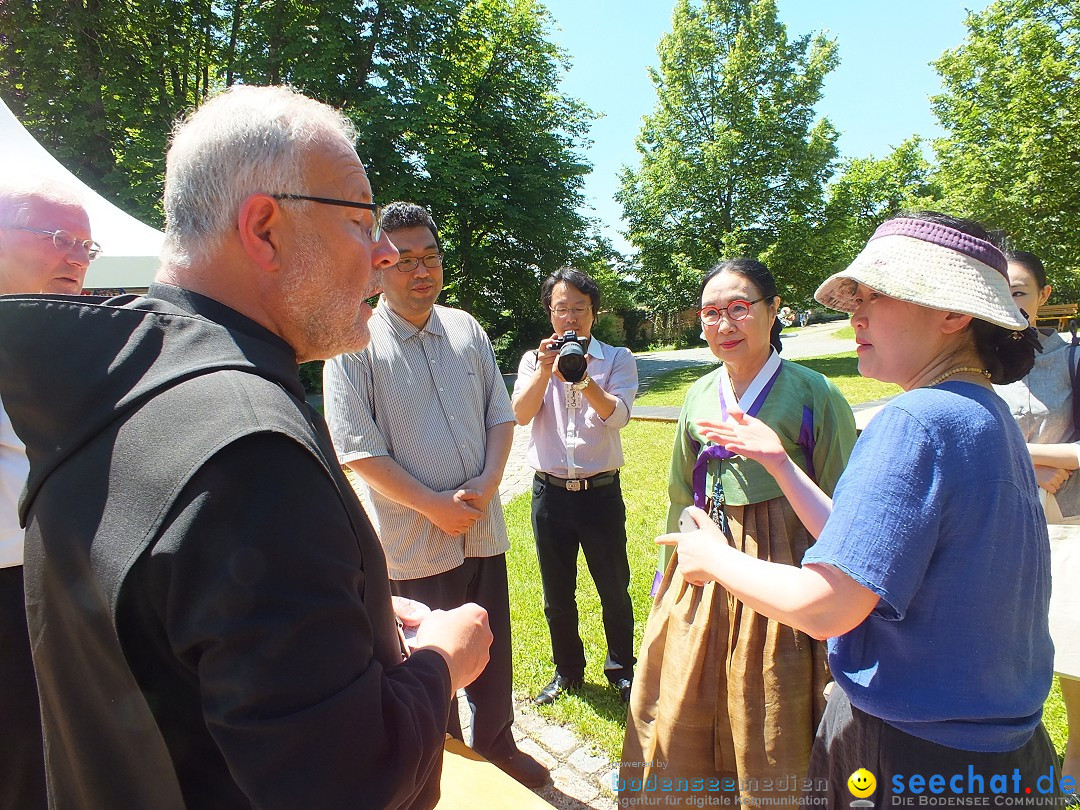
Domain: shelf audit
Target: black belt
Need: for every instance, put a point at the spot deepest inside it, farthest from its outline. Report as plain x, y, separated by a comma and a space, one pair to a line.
580, 484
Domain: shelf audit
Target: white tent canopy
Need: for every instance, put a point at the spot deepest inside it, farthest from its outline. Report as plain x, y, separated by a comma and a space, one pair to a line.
130, 249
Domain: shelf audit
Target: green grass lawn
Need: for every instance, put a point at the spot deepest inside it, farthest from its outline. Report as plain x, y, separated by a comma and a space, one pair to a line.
670, 387
842, 369
595, 712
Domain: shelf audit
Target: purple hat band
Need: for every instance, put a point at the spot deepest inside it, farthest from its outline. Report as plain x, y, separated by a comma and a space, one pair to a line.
946, 237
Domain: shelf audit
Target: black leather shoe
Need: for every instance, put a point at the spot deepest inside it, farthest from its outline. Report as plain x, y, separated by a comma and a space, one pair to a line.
559, 684
624, 685
525, 769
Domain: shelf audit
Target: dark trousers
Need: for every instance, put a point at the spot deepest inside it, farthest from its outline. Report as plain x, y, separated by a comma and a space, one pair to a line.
22, 758
481, 580
593, 520
848, 739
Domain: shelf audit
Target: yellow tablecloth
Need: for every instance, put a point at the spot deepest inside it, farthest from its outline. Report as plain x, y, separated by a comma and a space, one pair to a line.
470, 782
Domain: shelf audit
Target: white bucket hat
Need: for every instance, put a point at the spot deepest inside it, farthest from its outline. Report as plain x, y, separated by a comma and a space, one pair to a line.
932, 265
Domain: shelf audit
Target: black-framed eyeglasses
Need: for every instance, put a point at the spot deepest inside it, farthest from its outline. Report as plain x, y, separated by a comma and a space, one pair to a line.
736, 310
376, 211
577, 312
65, 241
409, 263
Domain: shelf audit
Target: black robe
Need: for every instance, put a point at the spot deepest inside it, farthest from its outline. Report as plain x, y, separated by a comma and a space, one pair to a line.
208, 604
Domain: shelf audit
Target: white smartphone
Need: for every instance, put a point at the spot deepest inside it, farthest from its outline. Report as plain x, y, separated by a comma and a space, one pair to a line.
686, 523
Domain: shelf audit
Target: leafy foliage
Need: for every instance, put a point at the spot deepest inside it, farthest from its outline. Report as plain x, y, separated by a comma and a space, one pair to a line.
1011, 107
457, 104
99, 84
732, 159
503, 174
867, 192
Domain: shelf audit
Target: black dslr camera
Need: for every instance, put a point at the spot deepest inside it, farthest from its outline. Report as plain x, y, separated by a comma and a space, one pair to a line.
571, 361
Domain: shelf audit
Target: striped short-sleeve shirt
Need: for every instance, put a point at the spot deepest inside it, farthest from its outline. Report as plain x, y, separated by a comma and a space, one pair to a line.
425, 397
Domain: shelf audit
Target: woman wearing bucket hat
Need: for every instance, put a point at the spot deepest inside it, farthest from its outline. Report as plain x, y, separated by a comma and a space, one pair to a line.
930, 575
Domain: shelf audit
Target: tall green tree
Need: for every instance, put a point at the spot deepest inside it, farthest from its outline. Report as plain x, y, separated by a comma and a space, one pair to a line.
457, 105
372, 58
866, 192
1011, 107
99, 83
500, 148
733, 158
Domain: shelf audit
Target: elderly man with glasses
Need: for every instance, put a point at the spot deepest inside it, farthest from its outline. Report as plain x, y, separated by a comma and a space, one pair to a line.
577, 411
209, 606
45, 247
422, 417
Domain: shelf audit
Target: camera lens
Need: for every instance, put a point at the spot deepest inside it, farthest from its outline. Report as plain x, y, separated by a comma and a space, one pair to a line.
571, 362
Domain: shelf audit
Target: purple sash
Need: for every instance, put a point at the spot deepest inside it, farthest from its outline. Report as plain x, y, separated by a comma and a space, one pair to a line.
714, 451
701, 466
806, 440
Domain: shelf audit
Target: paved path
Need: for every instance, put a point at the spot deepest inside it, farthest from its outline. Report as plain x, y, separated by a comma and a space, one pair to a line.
581, 776
810, 341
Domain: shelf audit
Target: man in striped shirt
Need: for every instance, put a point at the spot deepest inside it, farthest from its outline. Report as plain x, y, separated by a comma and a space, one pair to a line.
422, 417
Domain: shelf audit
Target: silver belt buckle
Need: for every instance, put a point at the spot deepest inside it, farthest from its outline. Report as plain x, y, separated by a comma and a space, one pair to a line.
573, 485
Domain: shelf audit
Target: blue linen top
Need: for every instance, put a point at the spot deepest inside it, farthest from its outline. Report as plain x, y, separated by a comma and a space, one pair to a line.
937, 513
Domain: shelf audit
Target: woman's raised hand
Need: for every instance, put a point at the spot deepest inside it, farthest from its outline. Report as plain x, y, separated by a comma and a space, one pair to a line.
749, 437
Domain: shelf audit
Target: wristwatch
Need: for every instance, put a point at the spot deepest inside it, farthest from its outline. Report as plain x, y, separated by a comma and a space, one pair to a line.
583, 383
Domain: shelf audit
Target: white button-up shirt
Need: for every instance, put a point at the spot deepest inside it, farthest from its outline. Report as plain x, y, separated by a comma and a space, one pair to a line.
574, 442
14, 467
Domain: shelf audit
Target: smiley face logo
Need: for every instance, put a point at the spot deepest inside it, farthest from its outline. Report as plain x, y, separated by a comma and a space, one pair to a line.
861, 783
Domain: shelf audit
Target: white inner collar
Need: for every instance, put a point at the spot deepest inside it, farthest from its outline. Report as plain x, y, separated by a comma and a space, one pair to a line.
751, 393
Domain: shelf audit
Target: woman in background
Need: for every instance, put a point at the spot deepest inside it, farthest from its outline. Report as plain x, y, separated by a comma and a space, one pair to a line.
1042, 404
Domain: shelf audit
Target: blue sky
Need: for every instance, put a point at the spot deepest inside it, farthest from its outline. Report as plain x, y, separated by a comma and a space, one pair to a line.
876, 98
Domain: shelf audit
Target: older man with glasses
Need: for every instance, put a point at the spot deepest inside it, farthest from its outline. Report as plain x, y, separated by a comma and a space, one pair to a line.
422, 417
45, 247
209, 605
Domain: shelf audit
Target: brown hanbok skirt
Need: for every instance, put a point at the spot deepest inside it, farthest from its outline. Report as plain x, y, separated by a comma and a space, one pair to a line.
726, 702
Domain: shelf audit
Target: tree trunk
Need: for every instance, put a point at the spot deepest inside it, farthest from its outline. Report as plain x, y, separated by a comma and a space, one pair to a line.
94, 160
234, 33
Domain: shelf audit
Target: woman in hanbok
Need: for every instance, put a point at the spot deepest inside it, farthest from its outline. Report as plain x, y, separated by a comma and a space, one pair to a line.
726, 699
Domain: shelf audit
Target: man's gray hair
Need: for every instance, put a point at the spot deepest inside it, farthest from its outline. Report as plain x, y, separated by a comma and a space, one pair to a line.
18, 191
244, 141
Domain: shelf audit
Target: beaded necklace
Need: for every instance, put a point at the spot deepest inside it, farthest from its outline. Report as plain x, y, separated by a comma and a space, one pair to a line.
957, 370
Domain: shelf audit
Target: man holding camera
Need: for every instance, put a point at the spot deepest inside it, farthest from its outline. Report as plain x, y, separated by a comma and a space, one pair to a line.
577, 410
421, 415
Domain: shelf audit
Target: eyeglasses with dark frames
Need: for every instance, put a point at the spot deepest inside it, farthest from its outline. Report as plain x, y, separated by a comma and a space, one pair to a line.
736, 310
577, 312
409, 263
376, 212
65, 241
